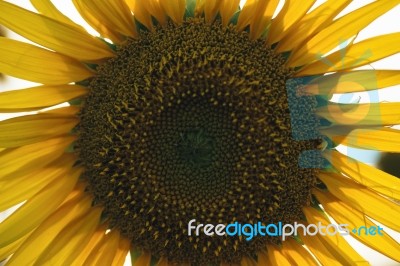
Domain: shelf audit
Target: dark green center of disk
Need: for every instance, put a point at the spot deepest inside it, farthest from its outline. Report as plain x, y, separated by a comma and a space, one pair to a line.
192, 122
196, 148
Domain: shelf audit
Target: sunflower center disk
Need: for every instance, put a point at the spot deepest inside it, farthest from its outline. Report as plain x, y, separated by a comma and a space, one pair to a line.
192, 122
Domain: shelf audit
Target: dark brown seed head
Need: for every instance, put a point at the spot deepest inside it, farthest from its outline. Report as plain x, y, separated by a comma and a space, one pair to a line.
192, 122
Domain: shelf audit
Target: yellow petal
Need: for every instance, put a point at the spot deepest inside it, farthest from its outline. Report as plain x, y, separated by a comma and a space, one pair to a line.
318, 249
71, 240
63, 38
24, 130
122, 251
340, 30
246, 14
290, 14
379, 139
354, 81
343, 214
130, 3
199, 8
276, 257
262, 258
227, 10
106, 250
336, 244
67, 111
23, 188
11, 248
361, 198
115, 15
311, 24
49, 229
296, 253
22, 160
141, 13
356, 55
211, 8
37, 209
257, 14
174, 9
155, 9
246, 261
77, 192
262, 17
47, 8
38, 97
143, 260
368, 114
78, 241
98, 23
36, 64
369, 176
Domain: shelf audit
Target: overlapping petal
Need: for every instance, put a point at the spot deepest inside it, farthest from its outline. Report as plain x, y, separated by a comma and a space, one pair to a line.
39, 65
53, 34
39, 97
339, 32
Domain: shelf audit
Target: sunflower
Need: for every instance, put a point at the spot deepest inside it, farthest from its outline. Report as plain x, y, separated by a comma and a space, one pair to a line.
184, 110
